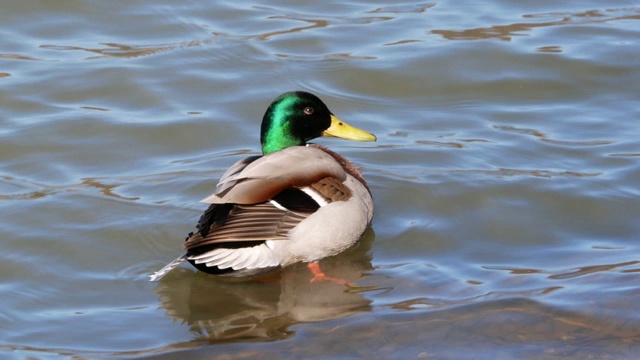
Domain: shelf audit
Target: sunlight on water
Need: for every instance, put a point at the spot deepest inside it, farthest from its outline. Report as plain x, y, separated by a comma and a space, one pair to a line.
505, 177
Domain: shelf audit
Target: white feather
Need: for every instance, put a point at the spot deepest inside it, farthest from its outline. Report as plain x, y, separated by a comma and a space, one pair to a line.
210, 256
319, 199
259, 256
274, 203
170, 266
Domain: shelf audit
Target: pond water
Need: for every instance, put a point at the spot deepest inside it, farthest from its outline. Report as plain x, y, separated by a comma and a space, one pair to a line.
505, 177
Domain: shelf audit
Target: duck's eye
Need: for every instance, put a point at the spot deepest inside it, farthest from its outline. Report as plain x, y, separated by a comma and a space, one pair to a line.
308, 110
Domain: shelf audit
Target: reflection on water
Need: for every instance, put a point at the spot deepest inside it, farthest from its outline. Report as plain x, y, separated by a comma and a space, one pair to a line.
544, 137
264, 309
561, 275
120, 50
529, 329
506, 32
505, 177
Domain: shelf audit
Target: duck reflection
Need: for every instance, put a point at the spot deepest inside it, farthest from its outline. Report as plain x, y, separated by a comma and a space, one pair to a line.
263, 309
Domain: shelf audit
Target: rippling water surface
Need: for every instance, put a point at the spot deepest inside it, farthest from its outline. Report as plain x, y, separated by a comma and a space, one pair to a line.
505, 177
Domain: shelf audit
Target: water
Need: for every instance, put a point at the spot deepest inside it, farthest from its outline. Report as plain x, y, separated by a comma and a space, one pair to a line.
505, 177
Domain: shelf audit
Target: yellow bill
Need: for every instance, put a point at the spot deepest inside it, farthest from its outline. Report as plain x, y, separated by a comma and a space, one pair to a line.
343, 130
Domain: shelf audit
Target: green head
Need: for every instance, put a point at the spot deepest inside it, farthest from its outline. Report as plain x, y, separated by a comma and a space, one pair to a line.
296, 117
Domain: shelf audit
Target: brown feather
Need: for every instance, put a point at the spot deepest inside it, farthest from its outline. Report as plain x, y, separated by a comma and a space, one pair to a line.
346, 165
249, 223
252, 182
260, 180
332, 189
233, 170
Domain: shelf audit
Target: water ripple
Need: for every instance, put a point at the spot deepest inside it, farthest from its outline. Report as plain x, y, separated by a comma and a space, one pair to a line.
568, 274
505, 176
587, 270
506, 172
105, 186
126, 51
506, 32
543, 137
404, 9
437, 303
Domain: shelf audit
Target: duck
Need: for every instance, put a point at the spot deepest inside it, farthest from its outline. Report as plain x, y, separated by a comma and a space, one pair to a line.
298, 202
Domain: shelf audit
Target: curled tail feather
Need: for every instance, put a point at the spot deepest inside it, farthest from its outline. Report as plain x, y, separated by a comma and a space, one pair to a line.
170, 266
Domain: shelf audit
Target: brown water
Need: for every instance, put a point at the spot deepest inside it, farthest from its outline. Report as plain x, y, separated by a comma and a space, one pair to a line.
505, 177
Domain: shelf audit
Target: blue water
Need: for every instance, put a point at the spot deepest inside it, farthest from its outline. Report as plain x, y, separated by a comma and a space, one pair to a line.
505, 177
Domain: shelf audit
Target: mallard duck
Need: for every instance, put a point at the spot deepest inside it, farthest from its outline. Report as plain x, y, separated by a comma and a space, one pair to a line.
297, 202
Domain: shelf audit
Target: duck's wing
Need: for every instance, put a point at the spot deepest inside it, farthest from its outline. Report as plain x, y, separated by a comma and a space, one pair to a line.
263, 198
263, 178
261, 201
244, 223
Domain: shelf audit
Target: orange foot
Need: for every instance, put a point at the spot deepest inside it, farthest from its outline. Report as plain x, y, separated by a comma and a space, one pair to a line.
318, 275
